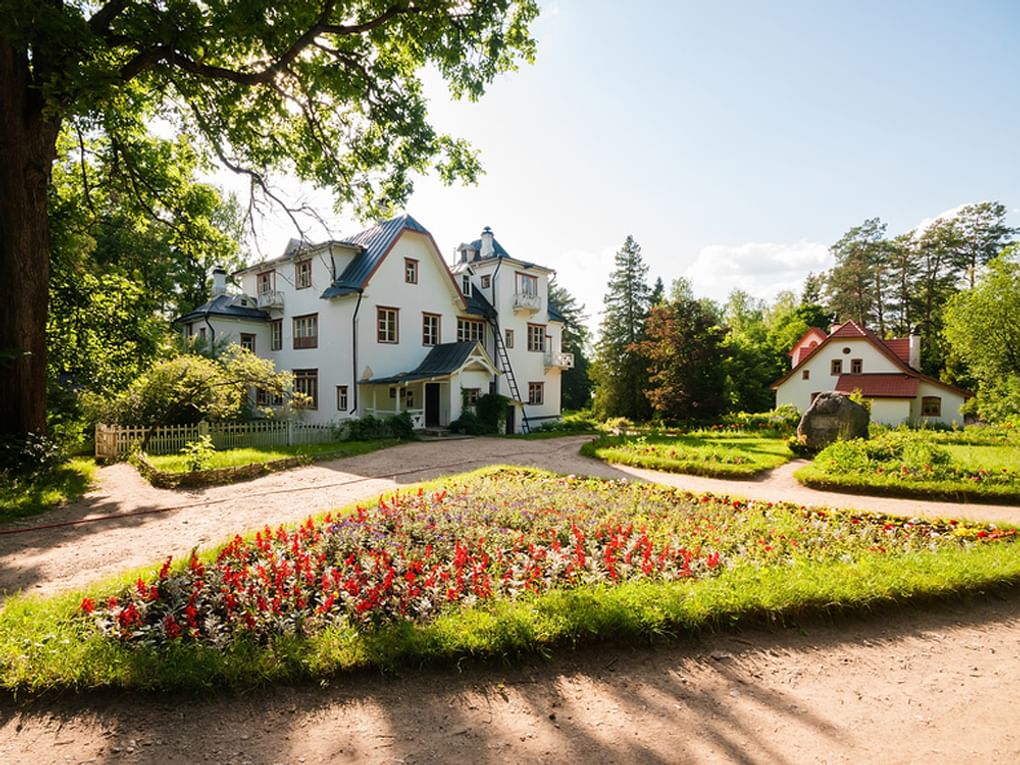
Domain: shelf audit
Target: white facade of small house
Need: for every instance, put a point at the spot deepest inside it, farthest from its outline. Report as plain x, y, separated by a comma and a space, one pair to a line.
377, 324
850, 359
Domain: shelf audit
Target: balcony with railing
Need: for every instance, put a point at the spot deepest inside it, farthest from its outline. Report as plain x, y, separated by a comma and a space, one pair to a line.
527, 302
270, 299
559, 361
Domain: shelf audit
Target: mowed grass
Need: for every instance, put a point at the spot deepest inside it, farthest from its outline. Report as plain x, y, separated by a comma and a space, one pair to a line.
176, 463
716, 455
54, 488
937, 466
519, 531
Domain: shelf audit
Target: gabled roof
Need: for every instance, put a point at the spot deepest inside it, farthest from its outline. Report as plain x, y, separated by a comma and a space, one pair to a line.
225, 305
901, 347
851, 330
375, 244
815, 331
880, 385
443, 360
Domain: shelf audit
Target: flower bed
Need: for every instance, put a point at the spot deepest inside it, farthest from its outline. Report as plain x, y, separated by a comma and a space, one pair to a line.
413, 556
715, 454
495, 563
914, 464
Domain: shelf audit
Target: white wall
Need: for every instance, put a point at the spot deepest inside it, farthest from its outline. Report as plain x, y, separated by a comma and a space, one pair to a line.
797, 391
951, 404
890, 411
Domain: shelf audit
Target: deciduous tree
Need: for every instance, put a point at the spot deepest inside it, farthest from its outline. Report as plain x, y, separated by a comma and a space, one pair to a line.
327, 90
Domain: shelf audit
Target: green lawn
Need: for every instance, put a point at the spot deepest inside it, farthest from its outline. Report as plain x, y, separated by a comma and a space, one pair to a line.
944, 466
496, 563
61, 485
176, 463
717, 455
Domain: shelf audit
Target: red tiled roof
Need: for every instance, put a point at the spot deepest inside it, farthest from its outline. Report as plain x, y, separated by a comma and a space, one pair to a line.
848, 329
883, 385
901, 347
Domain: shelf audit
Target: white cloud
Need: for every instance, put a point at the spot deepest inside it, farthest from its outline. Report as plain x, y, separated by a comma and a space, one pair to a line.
762, 269
944, 215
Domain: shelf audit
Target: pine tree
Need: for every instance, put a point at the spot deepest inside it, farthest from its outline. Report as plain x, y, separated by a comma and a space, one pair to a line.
619, 370
855, 284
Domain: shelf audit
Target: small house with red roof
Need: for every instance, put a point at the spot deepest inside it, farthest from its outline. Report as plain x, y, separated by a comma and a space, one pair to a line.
886, 372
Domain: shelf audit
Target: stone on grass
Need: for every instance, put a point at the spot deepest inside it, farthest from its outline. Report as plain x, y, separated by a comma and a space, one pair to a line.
832, 417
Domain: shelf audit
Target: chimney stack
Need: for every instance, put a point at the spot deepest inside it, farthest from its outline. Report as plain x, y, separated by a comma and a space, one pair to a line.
219, 281
487, 249
914, 352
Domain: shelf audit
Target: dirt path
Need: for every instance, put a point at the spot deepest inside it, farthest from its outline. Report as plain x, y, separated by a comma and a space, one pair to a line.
929, 684
148, 524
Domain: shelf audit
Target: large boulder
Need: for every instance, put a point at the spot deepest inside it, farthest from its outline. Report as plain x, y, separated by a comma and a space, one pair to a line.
832, 416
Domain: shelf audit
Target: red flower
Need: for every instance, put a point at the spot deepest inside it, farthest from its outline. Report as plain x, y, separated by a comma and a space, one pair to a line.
88, 605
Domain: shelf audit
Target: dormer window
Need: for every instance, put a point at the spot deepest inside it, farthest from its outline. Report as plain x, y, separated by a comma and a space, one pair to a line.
410, 270
465, 281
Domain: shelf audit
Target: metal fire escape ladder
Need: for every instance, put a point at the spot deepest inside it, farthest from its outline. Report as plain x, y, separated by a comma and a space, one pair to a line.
511, 380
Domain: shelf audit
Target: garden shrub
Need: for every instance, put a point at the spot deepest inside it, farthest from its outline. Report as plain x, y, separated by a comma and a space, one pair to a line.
27, 457
198, 453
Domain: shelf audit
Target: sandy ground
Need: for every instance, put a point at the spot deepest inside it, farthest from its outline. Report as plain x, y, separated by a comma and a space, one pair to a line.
928, 684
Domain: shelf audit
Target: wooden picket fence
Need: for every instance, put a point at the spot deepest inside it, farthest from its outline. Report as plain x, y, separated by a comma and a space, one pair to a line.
114, 441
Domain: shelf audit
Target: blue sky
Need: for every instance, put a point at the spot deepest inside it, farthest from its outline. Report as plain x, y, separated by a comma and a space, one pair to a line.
734, 140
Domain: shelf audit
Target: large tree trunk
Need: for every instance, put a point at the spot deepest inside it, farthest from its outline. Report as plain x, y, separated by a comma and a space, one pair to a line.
27, 150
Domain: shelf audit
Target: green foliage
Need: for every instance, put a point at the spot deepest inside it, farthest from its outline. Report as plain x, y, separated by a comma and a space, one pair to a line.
619, 370
683, 350
983, 329
575, 383
488, 417
902, 462
25, 458
188, 389
708, 453
779, 422
198, 454
44, 490
232, 458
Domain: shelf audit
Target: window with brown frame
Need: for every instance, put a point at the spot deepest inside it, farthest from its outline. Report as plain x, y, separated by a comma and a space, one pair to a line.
508, 338
341, 398
805, 375
266, 282
536, 392
264, 398
931, 406
430, 329
307, 381
302, 274
527, 284
387, 325
248, 341
471, 396
410, 270
470, 330
836, 367
856, 366
486, 281
536, 337
306, 331
276, 335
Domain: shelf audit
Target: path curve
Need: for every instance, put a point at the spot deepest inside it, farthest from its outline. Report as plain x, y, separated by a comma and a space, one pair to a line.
133, 524
932, 684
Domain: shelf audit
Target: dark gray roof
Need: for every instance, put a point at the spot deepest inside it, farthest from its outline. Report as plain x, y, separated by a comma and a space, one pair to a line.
221, 305
374, 244
497, 249
554, 313
479, 305
443, 359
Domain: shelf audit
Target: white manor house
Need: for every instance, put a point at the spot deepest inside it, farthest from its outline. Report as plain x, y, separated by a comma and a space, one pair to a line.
378, 323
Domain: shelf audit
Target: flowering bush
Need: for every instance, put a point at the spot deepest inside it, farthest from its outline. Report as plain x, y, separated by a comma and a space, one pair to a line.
507, 534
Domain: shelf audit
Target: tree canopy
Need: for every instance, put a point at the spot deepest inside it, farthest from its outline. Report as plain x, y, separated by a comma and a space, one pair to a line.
327, 91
